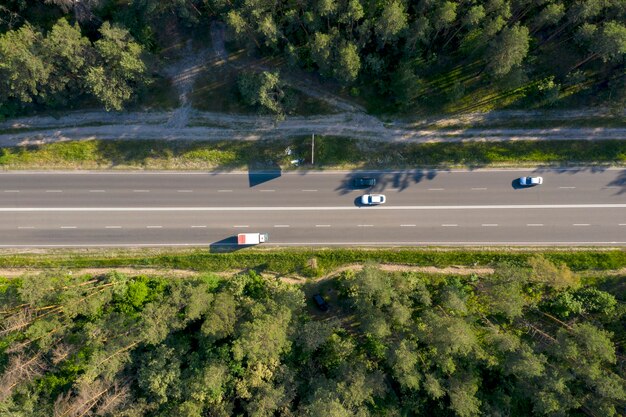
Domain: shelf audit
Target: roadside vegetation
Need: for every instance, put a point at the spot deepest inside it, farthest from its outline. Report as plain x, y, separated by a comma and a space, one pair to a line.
314, 262
330, 152
391, 56
530, 339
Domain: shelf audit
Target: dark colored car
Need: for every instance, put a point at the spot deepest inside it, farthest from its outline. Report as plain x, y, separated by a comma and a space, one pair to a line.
320, 302
364, 182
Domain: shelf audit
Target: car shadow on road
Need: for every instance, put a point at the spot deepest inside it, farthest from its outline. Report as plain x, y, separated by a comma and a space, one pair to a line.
515, 184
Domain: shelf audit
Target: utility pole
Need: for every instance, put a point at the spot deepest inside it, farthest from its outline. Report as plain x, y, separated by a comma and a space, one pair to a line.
313, 149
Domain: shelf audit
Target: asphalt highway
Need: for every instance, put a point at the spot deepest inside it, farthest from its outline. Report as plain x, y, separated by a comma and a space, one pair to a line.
572, 207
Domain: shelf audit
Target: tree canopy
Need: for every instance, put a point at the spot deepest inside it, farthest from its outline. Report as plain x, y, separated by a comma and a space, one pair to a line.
501, 49
392, 343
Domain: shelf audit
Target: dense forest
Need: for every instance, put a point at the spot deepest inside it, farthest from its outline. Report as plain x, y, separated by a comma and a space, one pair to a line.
530, 340
392, 54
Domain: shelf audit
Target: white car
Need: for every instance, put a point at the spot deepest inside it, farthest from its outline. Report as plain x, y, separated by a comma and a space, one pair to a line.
373, 199
528, 181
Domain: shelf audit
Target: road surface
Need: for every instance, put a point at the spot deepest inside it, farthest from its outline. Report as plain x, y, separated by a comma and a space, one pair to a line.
572, 207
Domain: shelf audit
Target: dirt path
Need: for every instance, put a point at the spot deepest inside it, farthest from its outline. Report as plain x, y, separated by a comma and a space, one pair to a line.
183, 273
188, 124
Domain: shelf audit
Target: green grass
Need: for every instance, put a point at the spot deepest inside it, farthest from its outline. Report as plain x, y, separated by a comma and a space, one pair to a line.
285, 261
331, 152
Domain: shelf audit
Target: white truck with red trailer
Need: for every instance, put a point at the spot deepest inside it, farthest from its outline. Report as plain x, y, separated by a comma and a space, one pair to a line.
252, 238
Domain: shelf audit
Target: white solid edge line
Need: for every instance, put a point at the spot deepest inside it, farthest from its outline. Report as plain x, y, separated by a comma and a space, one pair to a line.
310, 208
206, 244
295, 172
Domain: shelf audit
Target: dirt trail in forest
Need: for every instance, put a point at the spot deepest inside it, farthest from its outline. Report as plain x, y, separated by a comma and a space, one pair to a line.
195, 125
182, 273
185, 123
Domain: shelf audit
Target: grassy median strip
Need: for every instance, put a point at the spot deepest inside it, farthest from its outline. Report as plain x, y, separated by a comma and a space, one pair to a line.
310, 262
330, 152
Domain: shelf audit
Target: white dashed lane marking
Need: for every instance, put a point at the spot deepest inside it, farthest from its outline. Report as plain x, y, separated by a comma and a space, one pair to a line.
11, 191
241, 225
567, 188
580, 224
281, 225
154, 227
322, 225
478, 189
68, 227
366, 225
534, 224
141, 191
224, 191
96, 191
449, 225
435, 189
489, 224
407, 225
112, 227
184, 191
25, 227
54, 191
198, 227
309, 191
267, 191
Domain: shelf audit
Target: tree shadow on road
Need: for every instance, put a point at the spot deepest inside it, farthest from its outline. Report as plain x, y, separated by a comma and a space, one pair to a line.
398, 180
620, 182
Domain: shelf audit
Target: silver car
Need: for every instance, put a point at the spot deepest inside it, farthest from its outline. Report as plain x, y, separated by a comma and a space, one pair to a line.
373, 199
529, 181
